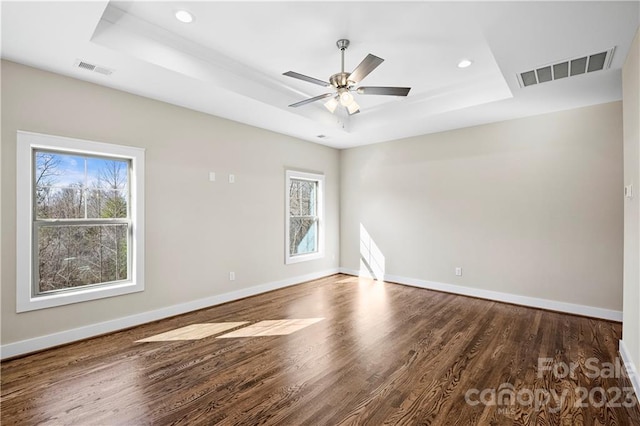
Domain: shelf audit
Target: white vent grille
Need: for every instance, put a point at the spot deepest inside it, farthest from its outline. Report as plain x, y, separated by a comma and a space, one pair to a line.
567, 68
91, 67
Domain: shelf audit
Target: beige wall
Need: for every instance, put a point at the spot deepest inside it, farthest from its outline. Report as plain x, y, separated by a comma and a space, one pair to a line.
631, 118
196, 231
531, 207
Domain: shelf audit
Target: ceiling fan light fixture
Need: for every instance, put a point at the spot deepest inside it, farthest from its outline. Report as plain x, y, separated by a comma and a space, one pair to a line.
353, 107
184, 16
346, 98
331, 105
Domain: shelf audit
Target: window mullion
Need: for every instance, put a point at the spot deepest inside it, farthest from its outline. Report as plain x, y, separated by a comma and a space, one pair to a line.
84, 189
299, 198
82, 222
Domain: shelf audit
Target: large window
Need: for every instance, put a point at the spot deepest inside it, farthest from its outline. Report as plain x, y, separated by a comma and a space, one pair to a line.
304, 227
80, 232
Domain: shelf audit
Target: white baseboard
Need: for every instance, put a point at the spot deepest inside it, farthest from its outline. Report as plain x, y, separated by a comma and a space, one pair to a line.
632, 371
349, 271
68, 336
534, 302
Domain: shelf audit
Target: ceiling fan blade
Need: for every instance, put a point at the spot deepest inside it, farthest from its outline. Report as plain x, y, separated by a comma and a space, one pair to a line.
306, 78
308, 101
377, 90
367, 65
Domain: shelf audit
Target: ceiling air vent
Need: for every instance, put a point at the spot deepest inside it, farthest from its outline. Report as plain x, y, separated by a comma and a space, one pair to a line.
567, 68
91, 67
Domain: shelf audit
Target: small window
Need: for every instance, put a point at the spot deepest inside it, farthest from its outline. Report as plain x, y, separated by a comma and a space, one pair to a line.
305, 224
80, 231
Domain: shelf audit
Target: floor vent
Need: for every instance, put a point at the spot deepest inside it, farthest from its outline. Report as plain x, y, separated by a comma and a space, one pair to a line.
91, 67
567, 68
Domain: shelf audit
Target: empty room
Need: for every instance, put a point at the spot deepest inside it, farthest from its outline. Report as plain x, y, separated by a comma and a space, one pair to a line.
320, 213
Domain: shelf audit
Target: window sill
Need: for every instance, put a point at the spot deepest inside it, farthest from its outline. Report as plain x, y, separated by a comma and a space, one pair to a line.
303, 257
30, 303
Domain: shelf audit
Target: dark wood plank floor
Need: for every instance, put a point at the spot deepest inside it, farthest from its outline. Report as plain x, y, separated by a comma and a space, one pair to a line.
385, 354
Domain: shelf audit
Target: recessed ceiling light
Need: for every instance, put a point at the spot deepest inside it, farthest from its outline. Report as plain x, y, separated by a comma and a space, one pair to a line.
464, 63
184, 16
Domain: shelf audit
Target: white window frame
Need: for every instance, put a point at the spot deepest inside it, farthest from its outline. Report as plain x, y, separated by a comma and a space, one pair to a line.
319, 178
27, 142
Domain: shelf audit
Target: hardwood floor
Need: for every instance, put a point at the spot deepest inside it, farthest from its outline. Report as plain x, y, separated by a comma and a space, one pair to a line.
383, 354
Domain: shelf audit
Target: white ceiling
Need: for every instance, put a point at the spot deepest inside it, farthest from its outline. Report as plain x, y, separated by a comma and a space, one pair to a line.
229, 61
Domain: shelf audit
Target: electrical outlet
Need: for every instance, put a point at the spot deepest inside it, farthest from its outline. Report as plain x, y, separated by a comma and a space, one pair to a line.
232, 178
232, 276
458, 271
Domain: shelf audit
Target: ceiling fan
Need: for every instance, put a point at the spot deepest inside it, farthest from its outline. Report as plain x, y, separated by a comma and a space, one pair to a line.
344, 83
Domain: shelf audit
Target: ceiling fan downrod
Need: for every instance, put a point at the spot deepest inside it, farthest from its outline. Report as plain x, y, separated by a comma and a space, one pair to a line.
341, 79
342, 44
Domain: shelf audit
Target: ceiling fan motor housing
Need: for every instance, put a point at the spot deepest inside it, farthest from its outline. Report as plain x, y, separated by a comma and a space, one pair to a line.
340, 79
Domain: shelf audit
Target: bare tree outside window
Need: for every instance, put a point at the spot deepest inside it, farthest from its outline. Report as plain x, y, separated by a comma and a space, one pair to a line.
303, 220
81, 220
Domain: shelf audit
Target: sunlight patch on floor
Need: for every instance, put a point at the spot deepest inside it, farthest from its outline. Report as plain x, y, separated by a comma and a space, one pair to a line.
193, 332
272, 328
